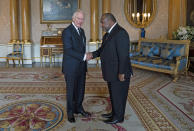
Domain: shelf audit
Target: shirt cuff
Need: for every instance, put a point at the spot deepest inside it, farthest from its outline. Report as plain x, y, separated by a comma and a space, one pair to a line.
84, 57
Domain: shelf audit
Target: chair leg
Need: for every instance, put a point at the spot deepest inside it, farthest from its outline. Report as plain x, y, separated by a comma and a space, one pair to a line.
54, 58
19, 62
13, 62
22, 62
175, 79
176, 76
7, 62
41, 61
187, 68
50, 59
186, 72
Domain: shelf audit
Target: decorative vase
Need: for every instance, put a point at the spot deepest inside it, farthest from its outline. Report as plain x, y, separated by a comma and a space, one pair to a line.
143, 33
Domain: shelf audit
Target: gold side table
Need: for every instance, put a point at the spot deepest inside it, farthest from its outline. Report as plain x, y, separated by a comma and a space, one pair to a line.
45, 52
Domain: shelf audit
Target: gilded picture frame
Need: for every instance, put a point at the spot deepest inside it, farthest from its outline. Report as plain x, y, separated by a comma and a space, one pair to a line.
57, 11
190, 13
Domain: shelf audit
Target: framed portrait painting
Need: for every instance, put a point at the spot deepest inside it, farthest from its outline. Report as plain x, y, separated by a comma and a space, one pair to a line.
57, 11
190, 13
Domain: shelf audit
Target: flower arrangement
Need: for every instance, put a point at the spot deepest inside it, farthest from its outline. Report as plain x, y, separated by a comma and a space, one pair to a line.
184, 33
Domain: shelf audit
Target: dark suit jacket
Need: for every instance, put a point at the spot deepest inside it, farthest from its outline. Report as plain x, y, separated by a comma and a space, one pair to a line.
114, 55
74, 48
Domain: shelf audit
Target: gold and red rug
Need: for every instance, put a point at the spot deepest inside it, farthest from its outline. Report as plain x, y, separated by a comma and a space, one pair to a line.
38, 95
31, 115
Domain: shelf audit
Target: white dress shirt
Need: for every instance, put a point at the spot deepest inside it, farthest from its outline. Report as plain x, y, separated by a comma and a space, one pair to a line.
112, 28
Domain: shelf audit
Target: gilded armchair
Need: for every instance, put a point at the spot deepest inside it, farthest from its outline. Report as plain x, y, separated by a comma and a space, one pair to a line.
17, 54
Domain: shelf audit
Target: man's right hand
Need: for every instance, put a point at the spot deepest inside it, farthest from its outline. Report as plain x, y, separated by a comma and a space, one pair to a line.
89, 56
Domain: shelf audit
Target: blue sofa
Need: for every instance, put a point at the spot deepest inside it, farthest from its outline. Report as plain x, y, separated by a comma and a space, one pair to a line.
167, 56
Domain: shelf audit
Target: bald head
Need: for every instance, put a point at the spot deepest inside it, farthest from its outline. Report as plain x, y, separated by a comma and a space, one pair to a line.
109, 16
107, 21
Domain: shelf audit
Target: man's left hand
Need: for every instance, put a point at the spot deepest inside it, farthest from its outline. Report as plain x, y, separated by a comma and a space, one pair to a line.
121, 77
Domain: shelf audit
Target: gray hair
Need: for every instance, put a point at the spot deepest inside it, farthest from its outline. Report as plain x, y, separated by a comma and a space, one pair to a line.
76, 12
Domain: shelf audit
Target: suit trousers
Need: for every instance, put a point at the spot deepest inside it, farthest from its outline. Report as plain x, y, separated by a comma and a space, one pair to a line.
75, 89
109, 90
118, 94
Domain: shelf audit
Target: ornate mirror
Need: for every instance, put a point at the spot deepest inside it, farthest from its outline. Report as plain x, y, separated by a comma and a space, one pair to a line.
140, 13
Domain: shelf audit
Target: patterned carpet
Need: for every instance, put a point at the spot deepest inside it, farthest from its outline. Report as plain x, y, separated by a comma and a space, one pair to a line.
161, 100
42, 80
33, 99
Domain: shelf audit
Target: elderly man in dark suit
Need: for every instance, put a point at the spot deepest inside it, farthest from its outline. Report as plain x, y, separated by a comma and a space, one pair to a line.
74, 65
116, 66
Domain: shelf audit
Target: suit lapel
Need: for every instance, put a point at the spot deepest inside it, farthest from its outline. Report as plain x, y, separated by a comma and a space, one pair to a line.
77, 36
74, 31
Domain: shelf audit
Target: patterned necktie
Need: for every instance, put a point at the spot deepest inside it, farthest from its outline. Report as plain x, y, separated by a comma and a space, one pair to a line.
79, 31
106, 36
81, 34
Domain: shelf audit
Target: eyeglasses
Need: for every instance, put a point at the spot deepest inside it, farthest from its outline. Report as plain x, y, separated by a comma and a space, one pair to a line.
79, 18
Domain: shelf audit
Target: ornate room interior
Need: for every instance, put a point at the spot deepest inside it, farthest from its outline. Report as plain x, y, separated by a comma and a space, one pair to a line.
31, 51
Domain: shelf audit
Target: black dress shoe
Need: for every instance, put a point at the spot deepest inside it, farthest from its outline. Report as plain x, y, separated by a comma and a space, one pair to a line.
113, 121
71, 119
84, 113
108, 115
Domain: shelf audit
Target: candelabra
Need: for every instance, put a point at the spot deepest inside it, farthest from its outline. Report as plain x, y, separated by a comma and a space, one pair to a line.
140, 19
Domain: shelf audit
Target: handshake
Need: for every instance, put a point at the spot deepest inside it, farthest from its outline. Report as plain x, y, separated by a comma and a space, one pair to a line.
89, 56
